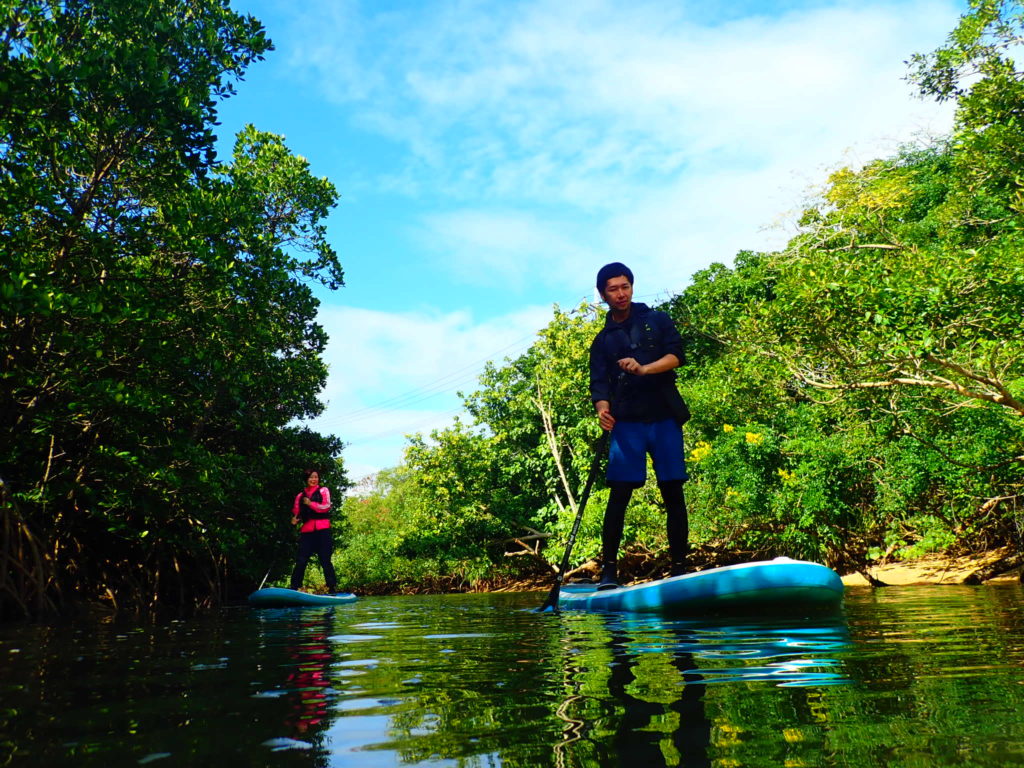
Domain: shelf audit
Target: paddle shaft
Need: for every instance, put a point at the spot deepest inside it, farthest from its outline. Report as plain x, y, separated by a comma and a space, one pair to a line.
552, 601
595, 465
265, 576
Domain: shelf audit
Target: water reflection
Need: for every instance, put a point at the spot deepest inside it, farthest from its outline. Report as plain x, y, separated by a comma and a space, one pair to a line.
647, 722
650, 707
309, 681
907, 678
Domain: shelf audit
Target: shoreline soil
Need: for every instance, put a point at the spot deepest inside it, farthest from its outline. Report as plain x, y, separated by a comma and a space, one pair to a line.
941, 569
932, 569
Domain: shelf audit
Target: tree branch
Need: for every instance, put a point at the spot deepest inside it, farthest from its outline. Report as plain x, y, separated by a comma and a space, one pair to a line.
552, 439
1001, 397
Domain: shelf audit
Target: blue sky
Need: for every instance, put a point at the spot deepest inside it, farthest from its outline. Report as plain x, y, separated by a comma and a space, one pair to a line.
491, 155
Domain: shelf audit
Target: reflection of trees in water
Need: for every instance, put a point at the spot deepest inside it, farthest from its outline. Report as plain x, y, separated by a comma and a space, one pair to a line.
574, 690
640, 697
648, 710
939, 667
493, 686
650, 731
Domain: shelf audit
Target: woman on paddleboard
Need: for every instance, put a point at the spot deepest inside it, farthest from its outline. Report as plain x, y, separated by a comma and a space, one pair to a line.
311, 511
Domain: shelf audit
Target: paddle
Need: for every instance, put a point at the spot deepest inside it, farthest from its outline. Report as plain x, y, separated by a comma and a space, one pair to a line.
552, 601
266, 575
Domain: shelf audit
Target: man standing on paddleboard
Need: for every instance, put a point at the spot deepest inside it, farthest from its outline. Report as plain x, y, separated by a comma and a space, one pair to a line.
632, 386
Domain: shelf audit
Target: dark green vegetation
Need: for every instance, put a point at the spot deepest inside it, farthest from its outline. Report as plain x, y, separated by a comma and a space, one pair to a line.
859, 393
157, 329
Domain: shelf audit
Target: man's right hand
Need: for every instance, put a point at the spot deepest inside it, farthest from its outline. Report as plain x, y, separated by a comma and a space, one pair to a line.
604, 415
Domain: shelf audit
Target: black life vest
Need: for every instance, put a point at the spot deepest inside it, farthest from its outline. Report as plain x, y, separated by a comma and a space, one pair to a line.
643, 342
640, 339
308, 513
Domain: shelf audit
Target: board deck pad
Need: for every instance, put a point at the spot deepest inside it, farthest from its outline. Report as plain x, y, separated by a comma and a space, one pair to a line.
279, 597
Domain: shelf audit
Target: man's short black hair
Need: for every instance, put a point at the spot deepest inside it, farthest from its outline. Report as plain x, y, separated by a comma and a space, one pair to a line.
608, 271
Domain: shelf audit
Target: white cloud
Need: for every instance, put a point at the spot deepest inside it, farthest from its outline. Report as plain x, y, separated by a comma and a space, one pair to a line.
572, 79
393, 374
598, 116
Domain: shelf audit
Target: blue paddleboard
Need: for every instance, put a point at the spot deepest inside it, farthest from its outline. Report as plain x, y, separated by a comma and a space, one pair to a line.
779, 584
277, 597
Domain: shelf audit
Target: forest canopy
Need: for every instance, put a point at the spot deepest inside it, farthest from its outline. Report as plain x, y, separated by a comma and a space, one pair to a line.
158, 325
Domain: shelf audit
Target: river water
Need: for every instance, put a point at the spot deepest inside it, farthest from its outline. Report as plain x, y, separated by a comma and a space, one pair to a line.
913, 676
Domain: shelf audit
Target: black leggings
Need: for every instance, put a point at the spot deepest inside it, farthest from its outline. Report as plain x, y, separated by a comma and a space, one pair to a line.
676, 523
320, 544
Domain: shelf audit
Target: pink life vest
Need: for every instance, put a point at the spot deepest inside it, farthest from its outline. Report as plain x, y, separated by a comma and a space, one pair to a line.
315, 516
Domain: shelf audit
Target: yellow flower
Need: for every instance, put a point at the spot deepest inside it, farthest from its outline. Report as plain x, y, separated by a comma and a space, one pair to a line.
727, 427
787, 477
729, 493
755, 438
700, 452
793, 735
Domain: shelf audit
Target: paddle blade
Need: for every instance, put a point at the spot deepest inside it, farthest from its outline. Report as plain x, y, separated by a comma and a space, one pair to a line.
552, 602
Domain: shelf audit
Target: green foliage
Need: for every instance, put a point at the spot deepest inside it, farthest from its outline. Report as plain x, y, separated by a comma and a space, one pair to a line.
158, 331
456, 519
396, 536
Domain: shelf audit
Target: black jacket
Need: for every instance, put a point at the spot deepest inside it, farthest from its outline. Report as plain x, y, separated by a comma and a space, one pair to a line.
646, 335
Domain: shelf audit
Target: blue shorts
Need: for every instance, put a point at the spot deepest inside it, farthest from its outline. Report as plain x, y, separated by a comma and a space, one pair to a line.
633, 440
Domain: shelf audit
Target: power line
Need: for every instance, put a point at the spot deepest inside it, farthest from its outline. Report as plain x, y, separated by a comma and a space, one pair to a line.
444, 385
405, 430
445, 381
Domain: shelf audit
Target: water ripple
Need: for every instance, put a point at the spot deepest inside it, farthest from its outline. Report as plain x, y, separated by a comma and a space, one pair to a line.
901, 678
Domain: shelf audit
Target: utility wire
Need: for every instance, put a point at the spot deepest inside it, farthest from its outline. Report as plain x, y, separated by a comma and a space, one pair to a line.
444, 385
438, 386
407, 429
